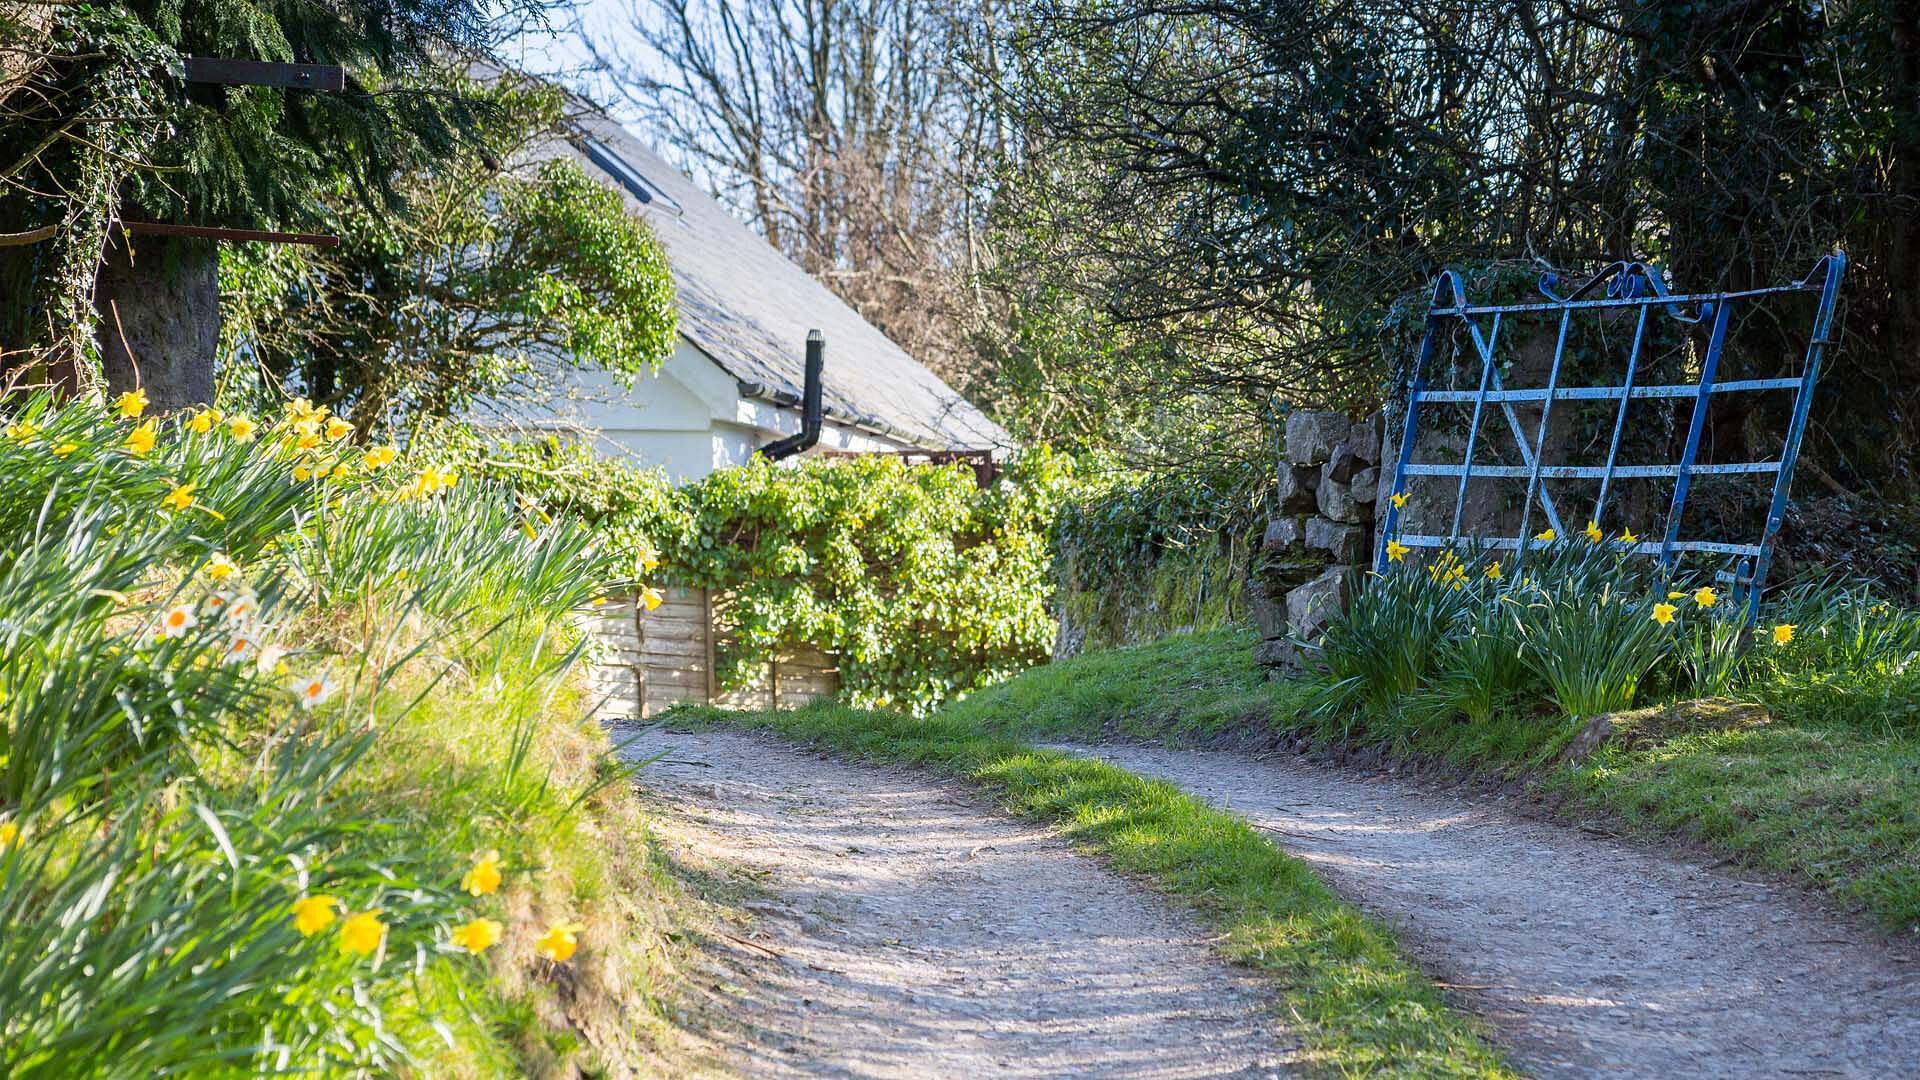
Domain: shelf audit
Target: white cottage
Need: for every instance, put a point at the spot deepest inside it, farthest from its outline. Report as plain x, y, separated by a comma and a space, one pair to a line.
736, 381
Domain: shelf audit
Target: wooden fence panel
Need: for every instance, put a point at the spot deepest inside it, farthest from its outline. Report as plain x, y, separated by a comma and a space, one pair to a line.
649, 660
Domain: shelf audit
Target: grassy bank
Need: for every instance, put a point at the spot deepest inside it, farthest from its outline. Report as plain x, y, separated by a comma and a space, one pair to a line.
1827, 794
1359, 1005
295, 776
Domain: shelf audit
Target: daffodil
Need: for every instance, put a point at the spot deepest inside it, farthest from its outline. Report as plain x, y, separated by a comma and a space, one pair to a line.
1398, 499
598, 601
9, 834
220, 567
1546, 537
241, 649
1493, 570
312, 914
204, 420
141, 439
302, 472
272, 660
1783, 633
1663, 613
340, 471
1705, 596
178, 619
1627, 537
1676, 595
647, 557
361, 933
179, 498
483, 876
559, 942
307, 440
338, 429
313, 690
379, 458
650, 597
1594, 535
241, 428
23, 431
132, 403
65, 448
1396, 551
477, 936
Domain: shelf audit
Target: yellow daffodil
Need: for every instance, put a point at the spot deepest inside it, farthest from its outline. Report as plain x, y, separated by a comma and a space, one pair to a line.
313, 690
178, 619
448, 478
307, 441
559, 942
647, 557
1396, 551
1676, 595
1783, 633
1594, 535
1705, 596
9, 834
1398, 499
650, 598
361, 933
179, 498
132, 403
302, 472
379, 458
219, 567
23, 431
1627, 537
65, 448
1493, 570
203, 421
338, 429
1663, 613
141, 439
312, 914
483, 876
1546, 537
340, 471
477, 936
598, 601
241, 428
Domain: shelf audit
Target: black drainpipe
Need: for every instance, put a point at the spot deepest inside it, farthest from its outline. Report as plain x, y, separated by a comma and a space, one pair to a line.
809, 405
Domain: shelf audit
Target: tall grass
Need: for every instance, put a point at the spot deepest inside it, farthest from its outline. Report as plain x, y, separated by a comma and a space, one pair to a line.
169, 787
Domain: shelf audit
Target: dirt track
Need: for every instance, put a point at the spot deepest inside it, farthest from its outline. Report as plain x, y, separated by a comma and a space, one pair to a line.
914, 932
1592, 957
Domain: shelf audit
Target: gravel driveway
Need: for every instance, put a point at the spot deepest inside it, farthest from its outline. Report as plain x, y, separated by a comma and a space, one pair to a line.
1590, 956
912, 931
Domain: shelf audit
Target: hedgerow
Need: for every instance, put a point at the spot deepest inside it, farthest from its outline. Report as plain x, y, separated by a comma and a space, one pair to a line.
922, 584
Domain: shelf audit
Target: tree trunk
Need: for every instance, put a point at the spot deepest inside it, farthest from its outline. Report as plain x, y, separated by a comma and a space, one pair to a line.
160, 318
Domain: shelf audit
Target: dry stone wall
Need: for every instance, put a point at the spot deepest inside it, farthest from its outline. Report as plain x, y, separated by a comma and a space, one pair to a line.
1320, 539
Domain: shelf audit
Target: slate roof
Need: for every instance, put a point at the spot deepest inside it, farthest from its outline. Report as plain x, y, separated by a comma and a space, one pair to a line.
749, 307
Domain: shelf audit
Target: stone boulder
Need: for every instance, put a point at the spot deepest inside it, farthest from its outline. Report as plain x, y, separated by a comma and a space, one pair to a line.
1345, 543
1311, 436
1285, 533
1311, 606
1295, 491
1337, 501
1646, 727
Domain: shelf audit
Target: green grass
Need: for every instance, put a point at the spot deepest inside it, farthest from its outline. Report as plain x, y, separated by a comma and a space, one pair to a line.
1360, 1006
1828, 794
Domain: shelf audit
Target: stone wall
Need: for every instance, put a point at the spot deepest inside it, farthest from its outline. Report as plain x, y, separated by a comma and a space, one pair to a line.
1320, 539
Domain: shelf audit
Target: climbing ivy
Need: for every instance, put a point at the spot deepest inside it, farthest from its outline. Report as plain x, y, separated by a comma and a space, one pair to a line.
922, 584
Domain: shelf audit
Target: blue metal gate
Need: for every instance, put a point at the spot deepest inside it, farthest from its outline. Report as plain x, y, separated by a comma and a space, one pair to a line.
1627, 285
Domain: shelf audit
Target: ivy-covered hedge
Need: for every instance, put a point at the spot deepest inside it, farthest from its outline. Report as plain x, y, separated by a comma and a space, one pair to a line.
1140, 555
923, 585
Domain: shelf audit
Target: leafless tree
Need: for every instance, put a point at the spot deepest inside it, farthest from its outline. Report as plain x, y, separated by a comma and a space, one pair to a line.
856, 135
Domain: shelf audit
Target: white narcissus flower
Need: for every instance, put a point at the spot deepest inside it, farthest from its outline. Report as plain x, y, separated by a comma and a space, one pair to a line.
179, 619
313, 690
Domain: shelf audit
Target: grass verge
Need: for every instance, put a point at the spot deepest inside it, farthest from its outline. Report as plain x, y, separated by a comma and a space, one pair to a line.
1360, 1006
1828, 794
